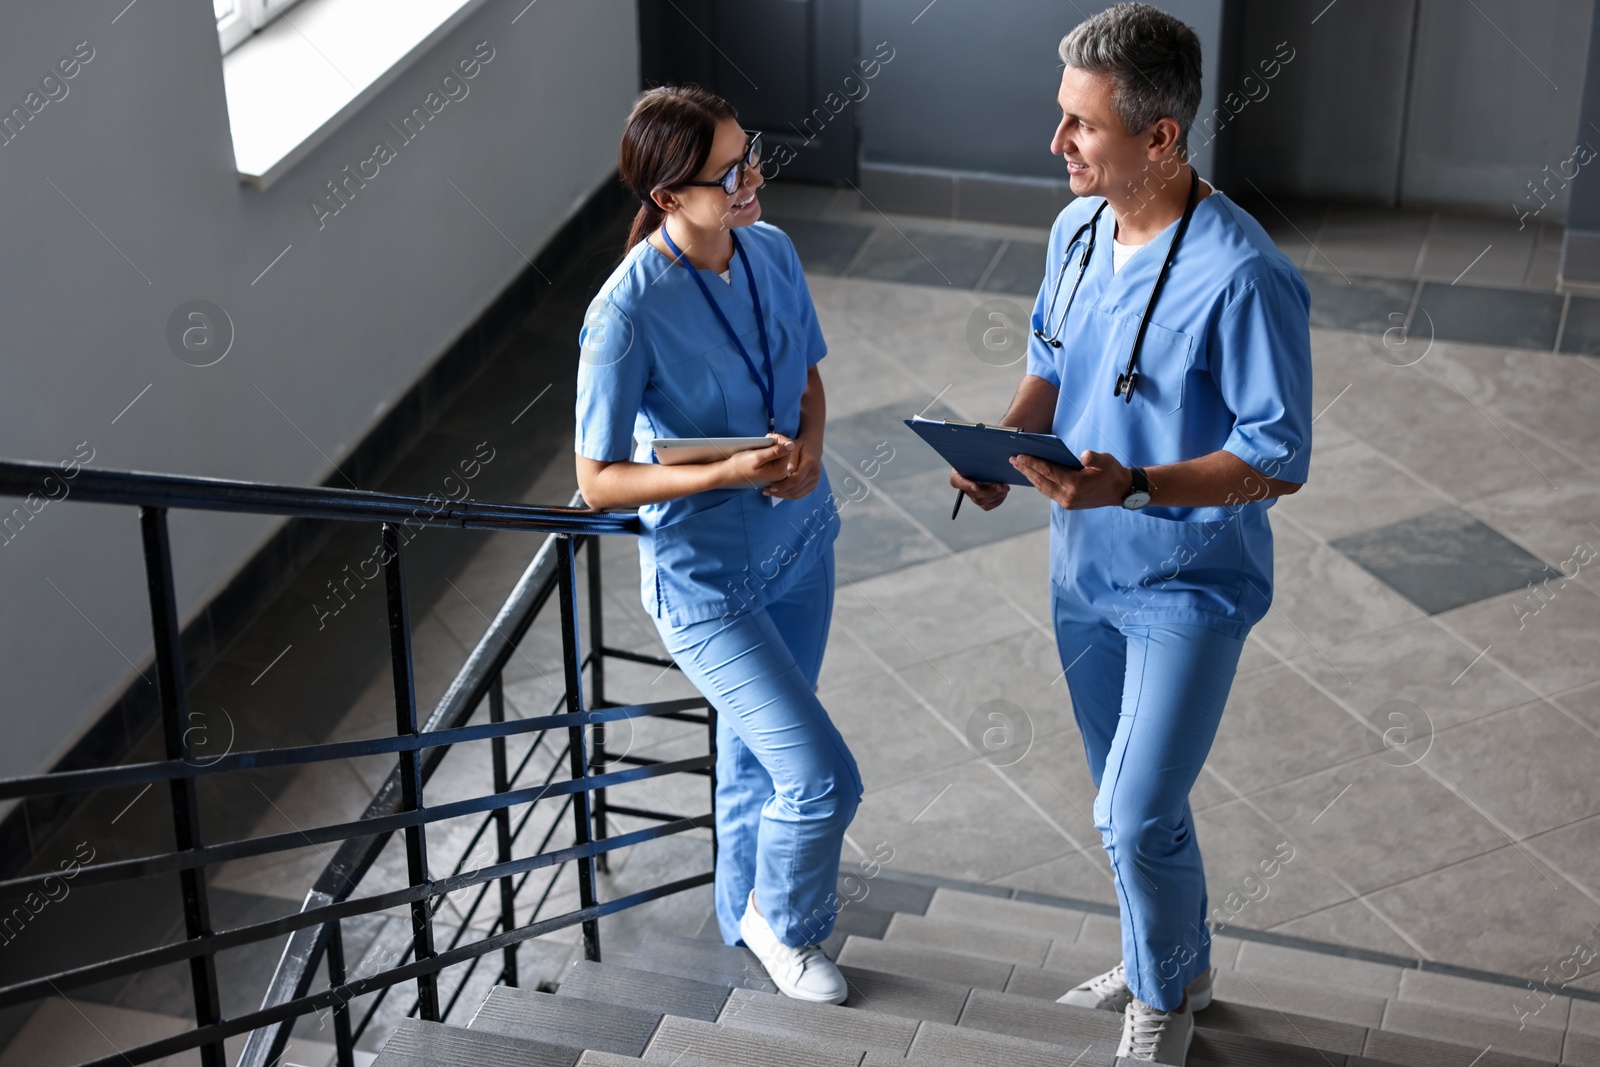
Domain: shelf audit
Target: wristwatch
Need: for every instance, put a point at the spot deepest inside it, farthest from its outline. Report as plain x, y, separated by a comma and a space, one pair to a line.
1139, 495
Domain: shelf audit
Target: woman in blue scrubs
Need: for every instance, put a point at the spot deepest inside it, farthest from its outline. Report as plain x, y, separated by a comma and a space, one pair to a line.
706, 329
1160, 549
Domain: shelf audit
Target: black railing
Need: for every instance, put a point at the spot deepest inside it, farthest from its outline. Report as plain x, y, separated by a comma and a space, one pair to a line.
315, 933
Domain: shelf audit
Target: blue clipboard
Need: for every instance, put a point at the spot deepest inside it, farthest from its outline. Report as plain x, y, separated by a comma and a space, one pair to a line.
983, 453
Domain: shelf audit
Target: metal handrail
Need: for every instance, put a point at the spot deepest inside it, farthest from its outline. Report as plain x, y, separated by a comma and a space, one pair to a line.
397, 807
195, 493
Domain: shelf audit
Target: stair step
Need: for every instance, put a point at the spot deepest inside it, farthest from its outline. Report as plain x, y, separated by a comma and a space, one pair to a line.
690, 1037
583, 1024
886, 893
1099, 933
710, 930
1297, 981
1512, 1004
1580, 1048
423, 1044
904, 996
1219, 1048
1042, 983
1041, 1020
885, 1059
1328, 1022
956, 905
863, 921
1473, 1029
611, 1059
1343, 973
851, 919
1238, 1034
1269, 1024
665, 994
967, 978
1080, 964
1414, 1051
917, 962
702, 961
1299, 998
989, 942
784, 1015
961, 1044
888, 1059
854, 920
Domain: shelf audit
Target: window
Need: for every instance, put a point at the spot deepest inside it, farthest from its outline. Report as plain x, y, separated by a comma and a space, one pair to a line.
238, 19
292, 81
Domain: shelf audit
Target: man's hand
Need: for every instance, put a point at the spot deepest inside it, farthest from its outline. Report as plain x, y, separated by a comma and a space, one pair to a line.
1102, 482
801, 474
987, 495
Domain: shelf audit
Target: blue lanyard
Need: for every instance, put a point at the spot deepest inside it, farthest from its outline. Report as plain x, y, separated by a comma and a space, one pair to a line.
768, 386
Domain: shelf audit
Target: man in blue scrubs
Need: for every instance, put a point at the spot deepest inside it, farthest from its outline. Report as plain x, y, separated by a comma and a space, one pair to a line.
1160, 551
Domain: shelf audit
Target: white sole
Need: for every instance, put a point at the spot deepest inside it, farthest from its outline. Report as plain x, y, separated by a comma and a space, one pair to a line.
809, 1000
790, 992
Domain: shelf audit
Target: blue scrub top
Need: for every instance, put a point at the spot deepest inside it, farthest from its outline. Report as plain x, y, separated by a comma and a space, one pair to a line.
1226, 364
655, 362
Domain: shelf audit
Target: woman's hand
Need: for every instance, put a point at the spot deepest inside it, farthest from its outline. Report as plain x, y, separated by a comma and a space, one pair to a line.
801, 475
625, 484
755, 467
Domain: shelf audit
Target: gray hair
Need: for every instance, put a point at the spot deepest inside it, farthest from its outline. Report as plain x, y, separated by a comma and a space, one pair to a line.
1152, 59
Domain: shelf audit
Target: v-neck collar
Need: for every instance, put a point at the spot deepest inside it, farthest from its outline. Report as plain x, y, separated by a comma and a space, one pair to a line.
1137, 270
667, 260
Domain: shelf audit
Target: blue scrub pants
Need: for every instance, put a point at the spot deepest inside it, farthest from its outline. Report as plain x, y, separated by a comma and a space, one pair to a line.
787, 785
1147, 699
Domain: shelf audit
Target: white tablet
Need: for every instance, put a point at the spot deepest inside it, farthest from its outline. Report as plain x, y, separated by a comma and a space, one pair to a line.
674, 450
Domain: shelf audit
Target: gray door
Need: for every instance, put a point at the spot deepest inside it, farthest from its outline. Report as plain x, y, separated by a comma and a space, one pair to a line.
789, 66
1410, 103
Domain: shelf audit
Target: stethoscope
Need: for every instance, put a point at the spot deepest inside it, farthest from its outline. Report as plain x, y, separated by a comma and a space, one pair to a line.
1129, 377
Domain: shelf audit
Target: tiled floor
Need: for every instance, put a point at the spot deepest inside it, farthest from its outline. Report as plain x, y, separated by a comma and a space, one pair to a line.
1419, 714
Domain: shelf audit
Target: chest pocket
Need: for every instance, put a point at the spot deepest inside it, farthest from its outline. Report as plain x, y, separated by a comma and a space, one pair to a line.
790, 337
1165, 360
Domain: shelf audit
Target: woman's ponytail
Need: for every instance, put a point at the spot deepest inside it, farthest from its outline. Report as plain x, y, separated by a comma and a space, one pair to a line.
665, 142
645, 222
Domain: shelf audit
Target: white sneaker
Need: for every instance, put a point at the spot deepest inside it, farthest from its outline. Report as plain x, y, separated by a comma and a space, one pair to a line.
1150, 1035
804, 973
1110, 992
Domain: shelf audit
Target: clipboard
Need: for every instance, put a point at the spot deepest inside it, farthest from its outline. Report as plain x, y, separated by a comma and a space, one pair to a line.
983, 453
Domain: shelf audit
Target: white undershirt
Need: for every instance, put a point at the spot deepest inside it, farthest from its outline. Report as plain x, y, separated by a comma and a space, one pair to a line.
727, 275
1120, 253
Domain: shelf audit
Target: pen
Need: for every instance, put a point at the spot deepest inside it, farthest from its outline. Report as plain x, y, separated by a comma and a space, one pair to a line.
960, 496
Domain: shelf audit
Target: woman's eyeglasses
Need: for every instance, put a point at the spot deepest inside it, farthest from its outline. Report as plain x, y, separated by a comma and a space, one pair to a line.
729, 182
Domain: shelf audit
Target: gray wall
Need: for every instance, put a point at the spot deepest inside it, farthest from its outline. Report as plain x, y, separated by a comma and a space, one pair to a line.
1493, 104
337, 330
1420, 103
1330, 124
973, 86
1584, 197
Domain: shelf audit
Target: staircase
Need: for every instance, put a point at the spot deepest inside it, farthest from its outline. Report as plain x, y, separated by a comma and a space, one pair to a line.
942, 977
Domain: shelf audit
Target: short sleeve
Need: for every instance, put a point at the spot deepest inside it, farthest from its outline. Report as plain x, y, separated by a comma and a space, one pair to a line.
1261, 364
613, 369
1041, 355
805, 310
